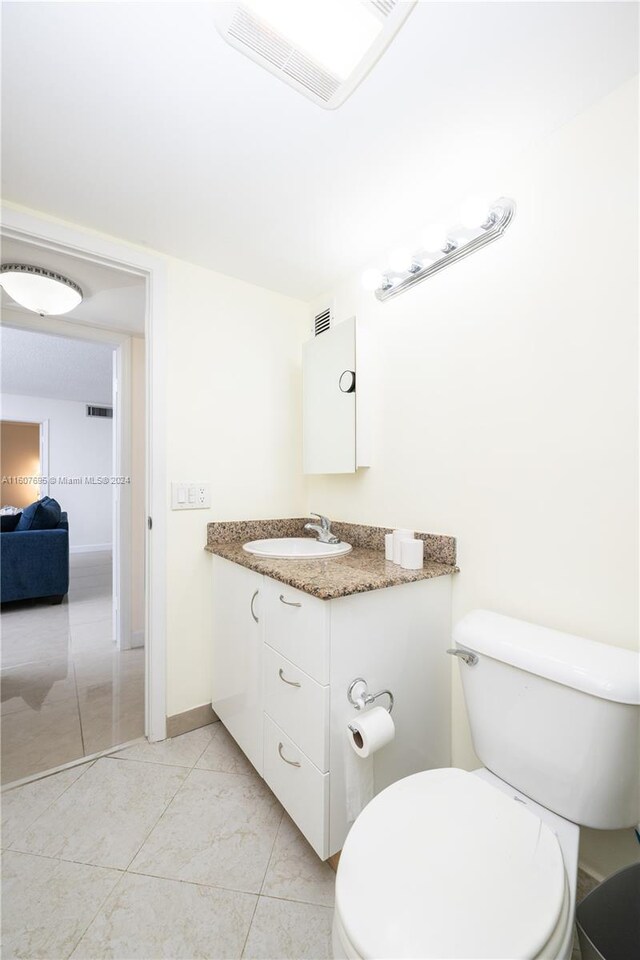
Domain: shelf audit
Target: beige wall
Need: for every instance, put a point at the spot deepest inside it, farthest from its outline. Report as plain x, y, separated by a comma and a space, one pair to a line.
506, 397
19, 457
504, 404
233, 418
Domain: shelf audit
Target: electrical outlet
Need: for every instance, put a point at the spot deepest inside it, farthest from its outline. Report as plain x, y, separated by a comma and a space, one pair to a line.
190, 496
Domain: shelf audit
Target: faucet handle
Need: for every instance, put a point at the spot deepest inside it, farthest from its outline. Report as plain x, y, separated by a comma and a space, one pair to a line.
324, 521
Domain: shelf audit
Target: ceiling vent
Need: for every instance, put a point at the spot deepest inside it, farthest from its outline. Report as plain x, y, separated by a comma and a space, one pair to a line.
322, 48
322, 321
104, 412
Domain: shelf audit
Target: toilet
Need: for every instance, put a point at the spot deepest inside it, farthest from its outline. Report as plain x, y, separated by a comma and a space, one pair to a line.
451, 864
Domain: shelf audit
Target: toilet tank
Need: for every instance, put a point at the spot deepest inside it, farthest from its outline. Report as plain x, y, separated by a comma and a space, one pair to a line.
556, 716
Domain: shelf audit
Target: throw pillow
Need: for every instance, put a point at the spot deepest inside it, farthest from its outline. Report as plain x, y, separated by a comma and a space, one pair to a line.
41, 515
9, 521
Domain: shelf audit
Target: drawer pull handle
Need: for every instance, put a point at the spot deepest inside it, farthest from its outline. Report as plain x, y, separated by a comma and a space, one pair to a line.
289, 603
292, 683
253, 613
293, 763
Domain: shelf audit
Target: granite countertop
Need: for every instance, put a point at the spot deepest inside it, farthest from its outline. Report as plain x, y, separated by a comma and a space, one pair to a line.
364, 569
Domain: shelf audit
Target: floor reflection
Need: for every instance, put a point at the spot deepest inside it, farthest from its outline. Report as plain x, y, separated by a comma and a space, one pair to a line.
66, 690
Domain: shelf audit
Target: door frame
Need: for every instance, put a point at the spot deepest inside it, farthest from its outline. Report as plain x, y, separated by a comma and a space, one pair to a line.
20, 224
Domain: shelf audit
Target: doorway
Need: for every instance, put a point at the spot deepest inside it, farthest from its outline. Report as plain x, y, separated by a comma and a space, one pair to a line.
73, 673
20, 455
51, 237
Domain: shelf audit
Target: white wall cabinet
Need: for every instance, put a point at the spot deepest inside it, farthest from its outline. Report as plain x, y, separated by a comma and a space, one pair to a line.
334, 403
293, 723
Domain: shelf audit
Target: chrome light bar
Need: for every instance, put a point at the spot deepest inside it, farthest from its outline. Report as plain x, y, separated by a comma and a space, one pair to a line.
500, 216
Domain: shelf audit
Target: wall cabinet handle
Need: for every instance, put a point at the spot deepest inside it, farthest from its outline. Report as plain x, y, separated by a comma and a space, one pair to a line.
253, 613
293, 763
292, 683
289, 603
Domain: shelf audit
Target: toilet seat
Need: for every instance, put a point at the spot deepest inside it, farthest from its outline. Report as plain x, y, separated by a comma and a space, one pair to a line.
443, 865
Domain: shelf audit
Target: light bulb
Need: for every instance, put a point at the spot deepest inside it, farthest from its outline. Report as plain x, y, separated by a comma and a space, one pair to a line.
434, 237
474, 212
371, 280
400, 260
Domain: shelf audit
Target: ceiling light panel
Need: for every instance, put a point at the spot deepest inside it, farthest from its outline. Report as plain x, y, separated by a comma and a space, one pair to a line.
322, 48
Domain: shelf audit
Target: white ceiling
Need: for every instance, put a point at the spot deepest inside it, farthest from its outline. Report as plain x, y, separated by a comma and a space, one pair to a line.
114, 299
138, 120
38, 365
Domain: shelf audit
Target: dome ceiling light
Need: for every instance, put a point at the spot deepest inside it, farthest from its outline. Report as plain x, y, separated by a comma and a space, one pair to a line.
40, 290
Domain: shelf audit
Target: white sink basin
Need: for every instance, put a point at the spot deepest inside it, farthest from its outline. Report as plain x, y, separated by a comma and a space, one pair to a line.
296, 548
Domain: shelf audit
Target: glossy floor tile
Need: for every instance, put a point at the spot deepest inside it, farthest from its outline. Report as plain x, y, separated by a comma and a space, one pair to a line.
36, 740
66, 690
239, 880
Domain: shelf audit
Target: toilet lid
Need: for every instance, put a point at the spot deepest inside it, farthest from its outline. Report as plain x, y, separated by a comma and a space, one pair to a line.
441, 864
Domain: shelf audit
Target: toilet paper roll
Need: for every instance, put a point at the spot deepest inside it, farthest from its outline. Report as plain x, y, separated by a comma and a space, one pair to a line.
373, 730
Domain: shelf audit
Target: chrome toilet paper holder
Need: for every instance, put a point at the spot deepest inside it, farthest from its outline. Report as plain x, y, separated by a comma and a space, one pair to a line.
365, 698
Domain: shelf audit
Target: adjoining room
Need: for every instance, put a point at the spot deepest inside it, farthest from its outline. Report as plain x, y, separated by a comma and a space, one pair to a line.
73, 672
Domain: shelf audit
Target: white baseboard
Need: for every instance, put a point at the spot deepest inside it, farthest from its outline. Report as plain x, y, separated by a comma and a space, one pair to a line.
89, 547
133, 641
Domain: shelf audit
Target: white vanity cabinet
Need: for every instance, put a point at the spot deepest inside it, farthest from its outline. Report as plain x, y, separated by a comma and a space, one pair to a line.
308, 653
237, 656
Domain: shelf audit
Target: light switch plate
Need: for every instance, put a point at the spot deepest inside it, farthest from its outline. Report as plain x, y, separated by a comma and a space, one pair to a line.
190, 496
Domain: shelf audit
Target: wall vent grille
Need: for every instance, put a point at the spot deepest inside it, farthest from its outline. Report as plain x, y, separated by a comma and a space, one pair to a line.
322, 321
385, 7
104, 412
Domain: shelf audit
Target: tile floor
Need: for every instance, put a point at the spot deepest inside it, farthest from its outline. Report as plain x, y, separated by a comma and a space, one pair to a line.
169, 850
174, 850
67, 692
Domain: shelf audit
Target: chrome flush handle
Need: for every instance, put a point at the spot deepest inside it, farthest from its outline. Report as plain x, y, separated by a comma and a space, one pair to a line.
469, 658
292, 763
292, 683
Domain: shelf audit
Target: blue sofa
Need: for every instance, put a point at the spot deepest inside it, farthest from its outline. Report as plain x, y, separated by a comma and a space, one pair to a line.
35, 563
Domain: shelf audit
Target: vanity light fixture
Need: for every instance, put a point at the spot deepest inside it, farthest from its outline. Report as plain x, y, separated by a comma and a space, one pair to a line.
40, 290
487, 221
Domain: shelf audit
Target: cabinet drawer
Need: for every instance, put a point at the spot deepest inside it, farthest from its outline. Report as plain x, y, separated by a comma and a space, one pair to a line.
297, 626
299, 705
299, 786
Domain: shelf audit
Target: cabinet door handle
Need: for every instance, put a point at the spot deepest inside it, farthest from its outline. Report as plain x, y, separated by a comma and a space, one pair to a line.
253, 613
292, 683
293, 763
289, 603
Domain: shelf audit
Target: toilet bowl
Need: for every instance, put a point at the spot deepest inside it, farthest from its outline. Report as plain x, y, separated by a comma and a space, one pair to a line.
450, 864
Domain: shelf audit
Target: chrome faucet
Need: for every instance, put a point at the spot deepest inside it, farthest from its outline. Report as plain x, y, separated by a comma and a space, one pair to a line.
322, 529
